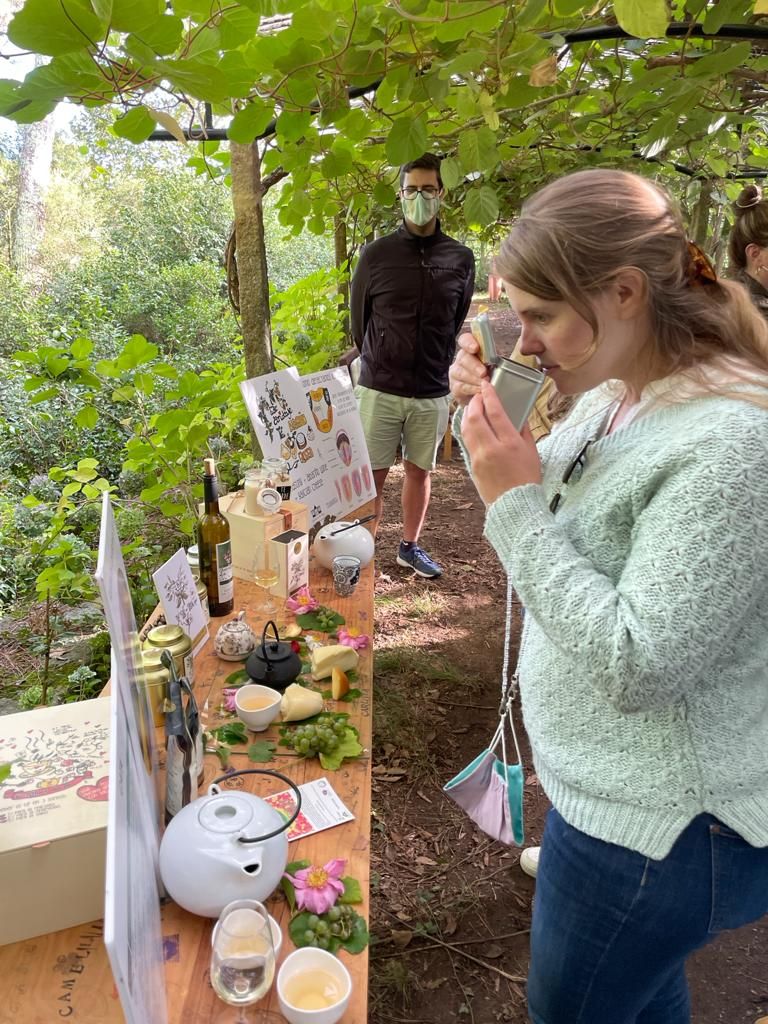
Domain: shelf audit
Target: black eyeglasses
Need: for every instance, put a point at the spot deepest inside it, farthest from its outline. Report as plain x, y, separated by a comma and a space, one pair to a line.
428, 191
578, 463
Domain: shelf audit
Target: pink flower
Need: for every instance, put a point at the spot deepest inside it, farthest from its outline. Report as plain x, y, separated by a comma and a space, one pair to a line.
229, 698
302, 601
317, 889
353, 638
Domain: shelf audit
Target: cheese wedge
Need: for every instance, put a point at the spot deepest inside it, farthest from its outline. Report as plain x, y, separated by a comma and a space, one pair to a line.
339, 683
298, 703
325, 659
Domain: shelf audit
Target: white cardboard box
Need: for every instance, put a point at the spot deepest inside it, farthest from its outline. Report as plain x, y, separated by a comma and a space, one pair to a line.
53, 818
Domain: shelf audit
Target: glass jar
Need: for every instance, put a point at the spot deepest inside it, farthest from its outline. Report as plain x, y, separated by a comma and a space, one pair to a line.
278, 476
255, 480
193, 558
176, 641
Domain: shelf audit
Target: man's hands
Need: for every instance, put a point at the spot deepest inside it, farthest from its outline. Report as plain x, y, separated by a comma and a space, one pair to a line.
501, 457
349, 356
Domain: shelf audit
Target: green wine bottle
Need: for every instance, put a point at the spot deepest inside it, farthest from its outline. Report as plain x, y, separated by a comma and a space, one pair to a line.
215, 548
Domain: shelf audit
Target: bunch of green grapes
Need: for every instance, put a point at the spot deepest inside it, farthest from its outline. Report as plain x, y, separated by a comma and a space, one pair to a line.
326, 619
319, 737
336, 923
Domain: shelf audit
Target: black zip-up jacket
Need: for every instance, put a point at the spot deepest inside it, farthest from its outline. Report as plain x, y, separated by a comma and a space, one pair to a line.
409, 297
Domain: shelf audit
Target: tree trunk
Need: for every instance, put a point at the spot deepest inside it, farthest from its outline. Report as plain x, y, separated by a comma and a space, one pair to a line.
247, 195
28, 226
342, 257
700, 213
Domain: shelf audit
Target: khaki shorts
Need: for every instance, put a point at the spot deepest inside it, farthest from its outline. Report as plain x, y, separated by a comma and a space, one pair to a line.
418, 424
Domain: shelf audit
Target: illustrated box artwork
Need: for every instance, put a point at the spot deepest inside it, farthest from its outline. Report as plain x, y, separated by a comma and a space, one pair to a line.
53, 817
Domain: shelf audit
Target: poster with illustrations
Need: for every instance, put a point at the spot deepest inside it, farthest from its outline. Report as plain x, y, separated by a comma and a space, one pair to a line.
313, 422
178, 595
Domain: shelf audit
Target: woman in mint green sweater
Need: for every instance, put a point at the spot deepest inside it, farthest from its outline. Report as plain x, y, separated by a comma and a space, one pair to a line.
635, 536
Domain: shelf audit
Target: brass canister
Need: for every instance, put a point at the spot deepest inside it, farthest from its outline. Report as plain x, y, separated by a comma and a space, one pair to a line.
176, 641
156, 678
202, 593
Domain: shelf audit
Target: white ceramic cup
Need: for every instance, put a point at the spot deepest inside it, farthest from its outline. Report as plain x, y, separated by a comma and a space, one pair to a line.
300, 962
261, 719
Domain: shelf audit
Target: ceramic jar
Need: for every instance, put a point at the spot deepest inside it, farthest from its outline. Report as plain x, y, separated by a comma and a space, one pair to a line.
235, 639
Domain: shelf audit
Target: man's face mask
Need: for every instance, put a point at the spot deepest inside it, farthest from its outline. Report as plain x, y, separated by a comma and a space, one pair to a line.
420, 205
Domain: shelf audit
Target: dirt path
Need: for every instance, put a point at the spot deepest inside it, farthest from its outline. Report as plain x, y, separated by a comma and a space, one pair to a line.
450, 908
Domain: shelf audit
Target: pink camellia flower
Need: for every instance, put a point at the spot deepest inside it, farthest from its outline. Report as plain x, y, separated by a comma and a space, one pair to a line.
229, 698
302, 601
318, 888
353, 638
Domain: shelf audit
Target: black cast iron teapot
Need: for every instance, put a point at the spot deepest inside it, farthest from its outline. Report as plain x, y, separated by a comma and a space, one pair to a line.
274, 662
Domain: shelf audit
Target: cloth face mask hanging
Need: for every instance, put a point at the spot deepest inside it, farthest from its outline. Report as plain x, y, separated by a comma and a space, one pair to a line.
489, 789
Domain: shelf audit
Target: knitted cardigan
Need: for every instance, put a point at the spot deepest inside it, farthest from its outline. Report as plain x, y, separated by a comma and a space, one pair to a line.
644, 658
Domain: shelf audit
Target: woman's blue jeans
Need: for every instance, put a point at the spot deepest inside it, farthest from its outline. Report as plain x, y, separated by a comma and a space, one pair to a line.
612, 929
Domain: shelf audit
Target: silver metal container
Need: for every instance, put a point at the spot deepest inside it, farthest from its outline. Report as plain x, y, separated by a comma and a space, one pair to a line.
518, 387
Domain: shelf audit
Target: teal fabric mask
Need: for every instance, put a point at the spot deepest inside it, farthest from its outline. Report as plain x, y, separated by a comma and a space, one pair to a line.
419, 210
492, 795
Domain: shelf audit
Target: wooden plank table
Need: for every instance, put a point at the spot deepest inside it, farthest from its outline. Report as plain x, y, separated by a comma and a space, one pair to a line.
66, 975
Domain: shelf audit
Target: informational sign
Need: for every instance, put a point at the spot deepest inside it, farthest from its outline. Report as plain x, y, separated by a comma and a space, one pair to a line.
132, 928
313, 422
178, 595
321, 808
132, 932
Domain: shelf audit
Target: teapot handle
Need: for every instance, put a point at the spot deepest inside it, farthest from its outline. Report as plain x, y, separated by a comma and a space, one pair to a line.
264, 641
214, 789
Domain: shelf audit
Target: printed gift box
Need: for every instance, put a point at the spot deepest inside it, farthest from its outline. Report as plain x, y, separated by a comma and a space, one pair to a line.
293, 548
53, 817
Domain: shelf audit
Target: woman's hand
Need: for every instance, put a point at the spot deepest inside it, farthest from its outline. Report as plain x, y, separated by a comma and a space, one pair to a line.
467, 371
501, 457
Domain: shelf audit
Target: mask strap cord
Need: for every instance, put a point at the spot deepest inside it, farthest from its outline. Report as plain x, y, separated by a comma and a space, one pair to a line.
508, 687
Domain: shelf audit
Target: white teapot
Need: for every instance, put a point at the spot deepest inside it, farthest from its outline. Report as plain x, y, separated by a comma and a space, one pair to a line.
343, 538
226, 846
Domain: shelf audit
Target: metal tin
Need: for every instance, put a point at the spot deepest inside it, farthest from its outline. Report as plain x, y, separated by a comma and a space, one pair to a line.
178, 644
518, 387
202, 593
156, 679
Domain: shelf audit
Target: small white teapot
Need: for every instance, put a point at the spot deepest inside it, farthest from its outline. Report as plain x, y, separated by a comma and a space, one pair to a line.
343, 538
235, 639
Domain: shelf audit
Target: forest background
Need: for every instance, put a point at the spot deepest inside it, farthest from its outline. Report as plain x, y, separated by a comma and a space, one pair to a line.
121, 350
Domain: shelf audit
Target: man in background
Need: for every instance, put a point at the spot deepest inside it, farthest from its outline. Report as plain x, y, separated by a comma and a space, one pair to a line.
409, 297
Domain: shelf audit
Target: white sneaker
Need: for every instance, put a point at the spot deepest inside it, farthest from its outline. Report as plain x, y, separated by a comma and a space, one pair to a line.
529, 860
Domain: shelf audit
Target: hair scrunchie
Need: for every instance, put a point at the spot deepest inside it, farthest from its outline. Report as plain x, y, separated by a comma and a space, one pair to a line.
700, 271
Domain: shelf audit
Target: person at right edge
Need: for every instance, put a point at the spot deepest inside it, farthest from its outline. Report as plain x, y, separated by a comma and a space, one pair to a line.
409, 297
748, 245
633, 535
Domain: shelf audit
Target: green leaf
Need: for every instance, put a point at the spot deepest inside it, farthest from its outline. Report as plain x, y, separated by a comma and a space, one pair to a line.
136, 126
81, 348
23, 110
30, 501
310, 620
292, 126
481, 206
137, 351
477, 150
87, 417
359, 938
230, 733
239, 678
250, 122
350, 695
646, 19
450, 172
721, 61
5, 771
353, 892
127, 393
168, 122
407, 140
349, 746
43, 396
261, 751
53, 28
135, 15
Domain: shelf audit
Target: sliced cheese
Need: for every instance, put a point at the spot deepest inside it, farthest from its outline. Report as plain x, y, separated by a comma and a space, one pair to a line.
298, 703
325, 659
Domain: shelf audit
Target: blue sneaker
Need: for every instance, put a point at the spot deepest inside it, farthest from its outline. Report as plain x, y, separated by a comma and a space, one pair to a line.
416, 558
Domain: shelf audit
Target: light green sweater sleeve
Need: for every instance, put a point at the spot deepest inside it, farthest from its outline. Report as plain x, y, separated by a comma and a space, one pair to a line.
697, 531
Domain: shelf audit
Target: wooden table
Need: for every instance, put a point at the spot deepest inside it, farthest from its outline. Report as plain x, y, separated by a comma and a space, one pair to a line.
66, 975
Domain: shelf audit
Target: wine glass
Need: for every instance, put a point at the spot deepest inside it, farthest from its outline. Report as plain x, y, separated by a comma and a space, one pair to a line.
243, 957
266, 573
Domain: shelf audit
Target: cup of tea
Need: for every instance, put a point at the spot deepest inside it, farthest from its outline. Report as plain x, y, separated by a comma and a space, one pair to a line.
346, 574
257, 706
313, 987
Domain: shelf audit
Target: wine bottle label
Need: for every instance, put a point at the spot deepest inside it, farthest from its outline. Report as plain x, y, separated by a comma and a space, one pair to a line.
225, 571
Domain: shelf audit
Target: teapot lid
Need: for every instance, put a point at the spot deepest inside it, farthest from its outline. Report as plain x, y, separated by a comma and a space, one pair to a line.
272, 650
226, 813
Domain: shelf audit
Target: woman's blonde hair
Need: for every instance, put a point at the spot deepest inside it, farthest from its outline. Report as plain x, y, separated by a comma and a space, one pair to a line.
576, 234
750, 224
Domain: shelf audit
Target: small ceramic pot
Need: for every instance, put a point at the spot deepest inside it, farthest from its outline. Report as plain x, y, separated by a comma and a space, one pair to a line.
235, 639
302, 962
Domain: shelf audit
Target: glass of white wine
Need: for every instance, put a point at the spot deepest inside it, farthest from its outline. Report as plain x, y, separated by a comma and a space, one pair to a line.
243, 957
266, 573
